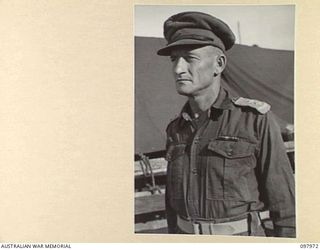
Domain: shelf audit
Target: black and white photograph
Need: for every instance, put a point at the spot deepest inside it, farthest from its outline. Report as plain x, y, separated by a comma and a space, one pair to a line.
214, 150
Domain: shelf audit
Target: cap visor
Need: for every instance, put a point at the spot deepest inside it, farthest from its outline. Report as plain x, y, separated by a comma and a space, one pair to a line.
166, 51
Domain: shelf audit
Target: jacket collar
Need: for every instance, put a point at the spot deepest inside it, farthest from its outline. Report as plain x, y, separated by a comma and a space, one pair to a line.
223, 100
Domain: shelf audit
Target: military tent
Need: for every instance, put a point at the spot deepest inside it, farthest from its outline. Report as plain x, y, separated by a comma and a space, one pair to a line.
252, 72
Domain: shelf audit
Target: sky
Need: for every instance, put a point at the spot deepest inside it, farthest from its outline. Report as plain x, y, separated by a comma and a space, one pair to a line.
268, 26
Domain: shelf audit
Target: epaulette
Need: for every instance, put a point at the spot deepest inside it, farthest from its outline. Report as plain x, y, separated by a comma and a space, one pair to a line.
261, 107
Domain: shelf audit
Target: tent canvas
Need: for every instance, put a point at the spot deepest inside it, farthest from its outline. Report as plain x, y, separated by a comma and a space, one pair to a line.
252, 72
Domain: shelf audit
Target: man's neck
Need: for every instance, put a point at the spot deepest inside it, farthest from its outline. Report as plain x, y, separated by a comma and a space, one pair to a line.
203, 102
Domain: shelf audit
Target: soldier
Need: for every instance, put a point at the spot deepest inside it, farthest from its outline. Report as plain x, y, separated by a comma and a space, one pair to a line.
226, 158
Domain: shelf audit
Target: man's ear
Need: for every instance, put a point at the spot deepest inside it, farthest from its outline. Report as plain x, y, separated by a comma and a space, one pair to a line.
221, 64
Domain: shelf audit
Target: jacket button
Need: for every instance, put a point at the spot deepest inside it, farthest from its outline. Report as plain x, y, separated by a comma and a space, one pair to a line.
194, 171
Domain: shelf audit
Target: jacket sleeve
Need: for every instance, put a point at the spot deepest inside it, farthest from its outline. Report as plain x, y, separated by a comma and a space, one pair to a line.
276, 178
171, 216
170, 213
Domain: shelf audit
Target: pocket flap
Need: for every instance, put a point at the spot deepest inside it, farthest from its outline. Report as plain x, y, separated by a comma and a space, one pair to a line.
174, 151
232, 149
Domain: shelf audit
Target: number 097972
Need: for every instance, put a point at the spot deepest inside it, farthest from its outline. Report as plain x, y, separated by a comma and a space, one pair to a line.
308, 246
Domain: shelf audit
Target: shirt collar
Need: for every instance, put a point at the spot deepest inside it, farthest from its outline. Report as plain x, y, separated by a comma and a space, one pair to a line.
222, 102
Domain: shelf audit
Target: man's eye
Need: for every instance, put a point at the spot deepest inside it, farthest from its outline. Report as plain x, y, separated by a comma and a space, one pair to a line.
173, 59
191, 58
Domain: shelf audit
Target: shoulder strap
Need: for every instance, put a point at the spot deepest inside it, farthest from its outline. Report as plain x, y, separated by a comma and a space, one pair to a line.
261, 107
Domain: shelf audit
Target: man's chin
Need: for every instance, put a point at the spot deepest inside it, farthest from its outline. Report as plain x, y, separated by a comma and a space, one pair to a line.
183, 92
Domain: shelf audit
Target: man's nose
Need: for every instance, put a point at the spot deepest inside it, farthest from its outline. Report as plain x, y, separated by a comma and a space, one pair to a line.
180, 66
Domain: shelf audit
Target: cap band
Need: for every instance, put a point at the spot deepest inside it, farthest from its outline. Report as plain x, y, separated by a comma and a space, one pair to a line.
197, 34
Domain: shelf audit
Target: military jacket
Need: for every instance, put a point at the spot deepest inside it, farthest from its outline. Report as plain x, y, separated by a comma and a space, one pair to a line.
231, 163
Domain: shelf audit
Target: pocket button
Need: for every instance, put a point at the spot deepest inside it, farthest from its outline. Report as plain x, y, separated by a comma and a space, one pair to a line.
229, 152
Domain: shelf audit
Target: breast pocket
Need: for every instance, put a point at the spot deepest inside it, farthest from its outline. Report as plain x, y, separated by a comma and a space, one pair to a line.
230, 166
177, 160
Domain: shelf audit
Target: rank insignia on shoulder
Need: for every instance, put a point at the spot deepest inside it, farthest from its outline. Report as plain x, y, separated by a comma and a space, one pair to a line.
260, 106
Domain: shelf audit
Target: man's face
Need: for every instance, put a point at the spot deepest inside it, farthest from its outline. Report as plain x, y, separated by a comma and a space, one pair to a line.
193, 69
